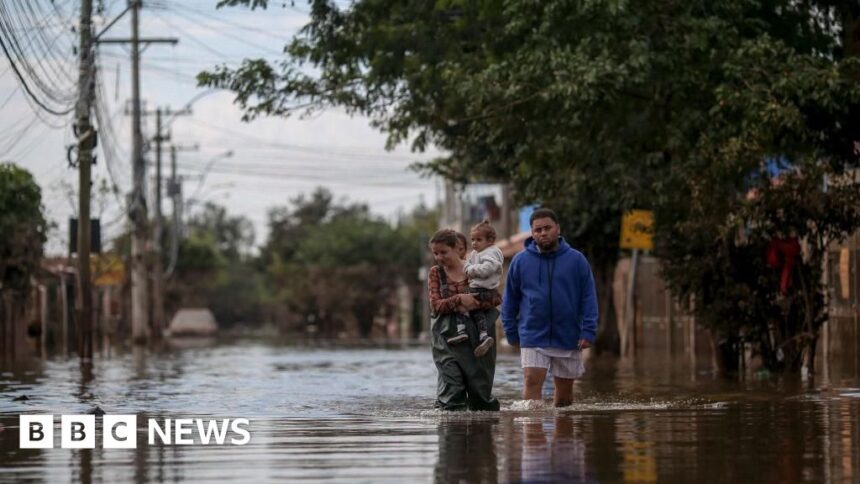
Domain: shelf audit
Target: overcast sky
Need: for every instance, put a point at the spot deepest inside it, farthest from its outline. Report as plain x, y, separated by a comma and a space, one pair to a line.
273, 159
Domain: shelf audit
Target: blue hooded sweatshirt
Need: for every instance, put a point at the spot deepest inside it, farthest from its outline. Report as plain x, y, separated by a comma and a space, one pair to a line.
550, 300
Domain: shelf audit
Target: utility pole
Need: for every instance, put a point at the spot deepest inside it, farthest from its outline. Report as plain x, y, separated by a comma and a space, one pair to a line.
86, 137
157, 269
137, 206
138, 212
158, 323
174, 189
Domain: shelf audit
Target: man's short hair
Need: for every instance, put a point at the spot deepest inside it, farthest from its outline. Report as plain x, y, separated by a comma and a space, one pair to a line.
543, 212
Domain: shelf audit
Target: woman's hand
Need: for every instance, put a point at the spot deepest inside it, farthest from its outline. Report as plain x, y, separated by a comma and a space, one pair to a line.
468, 302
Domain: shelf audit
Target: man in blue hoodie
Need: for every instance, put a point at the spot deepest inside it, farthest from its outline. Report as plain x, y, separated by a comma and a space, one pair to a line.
549, 309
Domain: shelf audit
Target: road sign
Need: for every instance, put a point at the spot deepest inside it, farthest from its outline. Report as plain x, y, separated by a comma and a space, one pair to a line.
107, 270
637, 229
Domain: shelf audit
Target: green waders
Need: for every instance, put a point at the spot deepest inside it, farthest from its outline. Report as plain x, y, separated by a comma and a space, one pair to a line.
465, 381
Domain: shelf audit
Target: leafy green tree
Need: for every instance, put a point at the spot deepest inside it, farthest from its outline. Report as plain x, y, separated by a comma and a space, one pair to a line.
233, 236
337, 266
199, 255
603, 106
289, 225
714, 233
349, 268
24, 229
215, 268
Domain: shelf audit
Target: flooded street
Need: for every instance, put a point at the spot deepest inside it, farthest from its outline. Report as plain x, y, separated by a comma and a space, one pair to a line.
365, 414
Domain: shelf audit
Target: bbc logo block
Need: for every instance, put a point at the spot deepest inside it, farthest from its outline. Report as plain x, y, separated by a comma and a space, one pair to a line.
37, 432
78, 431
120, 431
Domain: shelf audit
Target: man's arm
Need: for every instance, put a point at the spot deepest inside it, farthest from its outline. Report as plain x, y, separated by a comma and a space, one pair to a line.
588, 303
511, 304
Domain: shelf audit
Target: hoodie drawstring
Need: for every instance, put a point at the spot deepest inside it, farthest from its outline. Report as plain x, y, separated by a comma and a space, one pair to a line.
540, 268
551, 271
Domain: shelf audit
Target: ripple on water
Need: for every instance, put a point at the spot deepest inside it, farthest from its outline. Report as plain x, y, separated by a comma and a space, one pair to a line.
351, 414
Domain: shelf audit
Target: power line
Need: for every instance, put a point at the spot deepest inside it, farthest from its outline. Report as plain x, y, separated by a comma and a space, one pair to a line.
334, 167
307, 149
13, 50
11, 95
41, 48
190, 37
30, 93
18, 135
227, 22
224, 32
287, 176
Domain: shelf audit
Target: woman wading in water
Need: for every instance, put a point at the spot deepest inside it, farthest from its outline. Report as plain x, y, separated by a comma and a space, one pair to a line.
465, 381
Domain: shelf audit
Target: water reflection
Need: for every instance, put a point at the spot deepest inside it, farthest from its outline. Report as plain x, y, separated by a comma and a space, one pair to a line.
550, 451
467, 452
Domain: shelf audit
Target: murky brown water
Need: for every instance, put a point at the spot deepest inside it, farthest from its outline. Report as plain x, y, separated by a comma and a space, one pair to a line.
366, 415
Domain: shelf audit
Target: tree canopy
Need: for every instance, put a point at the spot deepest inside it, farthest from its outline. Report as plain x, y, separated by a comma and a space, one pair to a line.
24, 228
601, 106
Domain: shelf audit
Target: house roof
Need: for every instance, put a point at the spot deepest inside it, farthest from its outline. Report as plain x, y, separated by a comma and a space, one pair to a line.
513, 244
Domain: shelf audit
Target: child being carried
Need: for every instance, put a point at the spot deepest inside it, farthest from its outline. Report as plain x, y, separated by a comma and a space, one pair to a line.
484, 268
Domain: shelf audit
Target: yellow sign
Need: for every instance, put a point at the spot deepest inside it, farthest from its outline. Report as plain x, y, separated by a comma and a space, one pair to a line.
107, 270
637, 229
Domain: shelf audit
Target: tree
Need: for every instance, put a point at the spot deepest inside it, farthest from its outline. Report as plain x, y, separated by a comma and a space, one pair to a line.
233, 235
337, 266
215, 268
604, 106
715, 234
350, 269
289, 226
24, 230
23, 226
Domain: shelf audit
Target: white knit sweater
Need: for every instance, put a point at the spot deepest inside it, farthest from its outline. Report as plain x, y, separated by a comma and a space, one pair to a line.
485, 268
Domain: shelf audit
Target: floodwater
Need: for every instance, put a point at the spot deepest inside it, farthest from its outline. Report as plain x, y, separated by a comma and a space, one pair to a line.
366, 414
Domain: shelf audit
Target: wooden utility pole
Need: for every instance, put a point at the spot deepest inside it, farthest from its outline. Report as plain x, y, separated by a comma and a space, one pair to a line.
157, 269
174, 189
140, 239
158, 322
86, 138
138, 212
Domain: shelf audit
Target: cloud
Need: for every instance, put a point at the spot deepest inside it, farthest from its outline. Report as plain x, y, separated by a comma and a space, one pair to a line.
274, 159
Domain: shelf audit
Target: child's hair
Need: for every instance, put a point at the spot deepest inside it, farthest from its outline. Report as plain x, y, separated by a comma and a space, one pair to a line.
463, 240
485, 229
448, 237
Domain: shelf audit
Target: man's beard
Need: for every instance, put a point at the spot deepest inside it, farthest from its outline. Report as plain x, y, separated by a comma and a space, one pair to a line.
548, 246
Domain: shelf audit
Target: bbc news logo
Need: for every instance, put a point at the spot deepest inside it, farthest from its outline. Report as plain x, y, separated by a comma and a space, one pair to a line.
120, 431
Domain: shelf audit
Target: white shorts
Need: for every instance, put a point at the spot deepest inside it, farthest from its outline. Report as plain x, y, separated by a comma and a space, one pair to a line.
559, 363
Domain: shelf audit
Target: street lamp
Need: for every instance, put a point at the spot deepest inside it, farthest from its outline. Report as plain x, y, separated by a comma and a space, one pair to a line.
209, 165
174, 251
